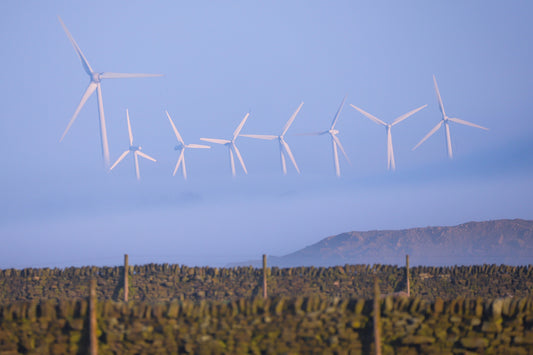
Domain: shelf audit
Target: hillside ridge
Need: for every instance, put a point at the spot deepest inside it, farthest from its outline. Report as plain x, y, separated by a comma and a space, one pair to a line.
502, 241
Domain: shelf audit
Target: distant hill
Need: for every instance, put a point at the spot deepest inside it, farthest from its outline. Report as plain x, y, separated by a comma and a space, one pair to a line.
492, 242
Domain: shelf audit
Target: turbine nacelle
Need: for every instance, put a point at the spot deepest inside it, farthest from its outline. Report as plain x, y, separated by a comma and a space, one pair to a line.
134, 148
96, 77
179, 147
333, 131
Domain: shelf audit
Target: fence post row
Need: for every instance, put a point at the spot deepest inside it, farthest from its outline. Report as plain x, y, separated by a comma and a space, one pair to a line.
264, 276
93, 341
407, 275
126, 274
377, 318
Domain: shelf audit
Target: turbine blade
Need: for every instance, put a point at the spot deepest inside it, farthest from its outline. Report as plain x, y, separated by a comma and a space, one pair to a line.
406, 115
260, 136
84, 61
372, 117
103, 130
119, 159
231, 161
197, 146
283, 162
181, 159
127, 75
146, 156
312, 133
458, 120
183, 168
240, 158
129, 127
337, 114
239, 127
178, 162
336, 158
178, 136
433, 130
137, 172
214, 140
448, 140
441, 105
291, 119
390, 152
291, 157
88, 92
338, 142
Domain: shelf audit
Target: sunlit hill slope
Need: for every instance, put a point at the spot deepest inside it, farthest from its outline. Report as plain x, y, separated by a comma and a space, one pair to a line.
504, 241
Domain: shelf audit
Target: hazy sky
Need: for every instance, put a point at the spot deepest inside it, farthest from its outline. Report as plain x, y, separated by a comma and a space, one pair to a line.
60, 207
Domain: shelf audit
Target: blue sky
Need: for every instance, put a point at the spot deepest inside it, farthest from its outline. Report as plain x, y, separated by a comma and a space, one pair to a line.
60, 207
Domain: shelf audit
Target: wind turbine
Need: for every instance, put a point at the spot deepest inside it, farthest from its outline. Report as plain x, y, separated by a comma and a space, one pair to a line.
232, 147
135, 149
332, 132
95, 83
283, 146
181, 146
388, 126
445, 120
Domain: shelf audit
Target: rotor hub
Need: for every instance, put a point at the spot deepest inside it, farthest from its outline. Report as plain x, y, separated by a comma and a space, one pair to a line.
97, 77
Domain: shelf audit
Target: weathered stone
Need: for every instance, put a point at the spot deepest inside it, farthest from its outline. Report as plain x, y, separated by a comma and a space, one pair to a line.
526, 339
474, 342
456, 319
357, 322
438, 305
76, 323
491, 327
418, 339
497, 307
475, 322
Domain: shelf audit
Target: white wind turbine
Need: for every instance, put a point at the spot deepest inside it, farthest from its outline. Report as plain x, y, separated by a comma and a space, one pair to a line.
445, 120
135, 149
96, 79
232, 147
332, 132
181, 146
283, 146
388, 126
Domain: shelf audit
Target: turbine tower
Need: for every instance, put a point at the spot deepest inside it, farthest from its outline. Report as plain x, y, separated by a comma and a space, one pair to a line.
95, 84
181, 146
390, 152
283, 146
445, 120
135, 149
332, 132
232, 147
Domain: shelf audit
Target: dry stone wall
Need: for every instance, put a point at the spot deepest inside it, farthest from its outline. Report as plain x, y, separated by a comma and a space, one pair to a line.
154, 282
314, 325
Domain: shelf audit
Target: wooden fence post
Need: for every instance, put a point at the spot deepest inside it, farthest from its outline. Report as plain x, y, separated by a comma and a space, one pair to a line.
408, 276
264, 276
126, 274
93, 341
377, 318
